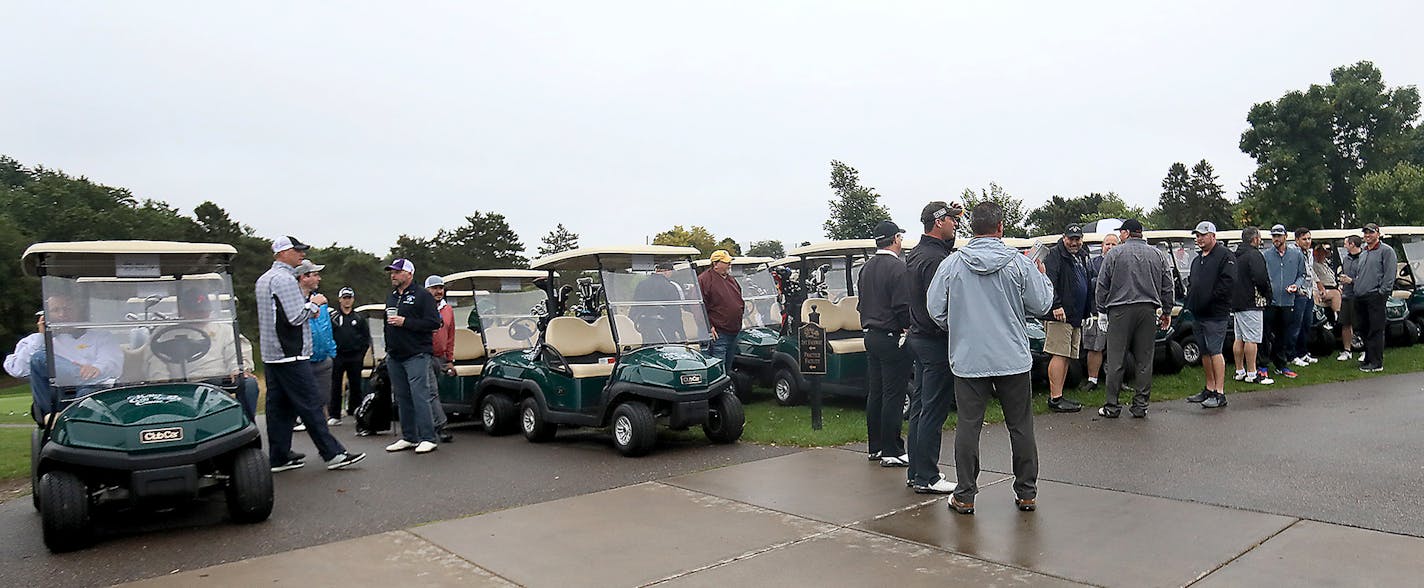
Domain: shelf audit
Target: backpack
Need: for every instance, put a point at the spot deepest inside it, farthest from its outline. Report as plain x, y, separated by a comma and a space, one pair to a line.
375, 413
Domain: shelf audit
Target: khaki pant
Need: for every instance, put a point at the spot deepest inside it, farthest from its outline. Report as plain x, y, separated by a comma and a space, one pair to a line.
1062, 339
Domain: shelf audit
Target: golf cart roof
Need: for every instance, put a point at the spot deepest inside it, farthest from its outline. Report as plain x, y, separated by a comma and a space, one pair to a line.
371, 307
835, 248
1168, 234
1399, 231
1018, 243
1332, 234
103, 258
588, 258
496, 274
790, 259
736, 261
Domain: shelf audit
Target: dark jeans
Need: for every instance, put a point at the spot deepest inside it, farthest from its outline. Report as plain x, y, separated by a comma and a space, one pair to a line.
248, 398
888, 371
930, 407
724, 347
292, 394
1015, 397
1369, 313
1301, 320
437, 410
1131, 327
345, 371
1274, 344
45, 395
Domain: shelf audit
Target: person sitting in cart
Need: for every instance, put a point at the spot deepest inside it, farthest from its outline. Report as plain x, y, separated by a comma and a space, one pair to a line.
214, 367
658, 323
82, 359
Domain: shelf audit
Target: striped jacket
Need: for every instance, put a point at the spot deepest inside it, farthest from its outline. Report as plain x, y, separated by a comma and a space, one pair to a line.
282, 314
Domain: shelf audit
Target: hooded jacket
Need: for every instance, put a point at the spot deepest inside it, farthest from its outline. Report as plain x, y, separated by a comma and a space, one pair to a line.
1209, 293
993, 288
1062, 268
1285, 269
1252, 289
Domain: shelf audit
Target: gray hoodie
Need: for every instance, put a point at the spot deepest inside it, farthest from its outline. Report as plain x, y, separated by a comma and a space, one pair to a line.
994, 288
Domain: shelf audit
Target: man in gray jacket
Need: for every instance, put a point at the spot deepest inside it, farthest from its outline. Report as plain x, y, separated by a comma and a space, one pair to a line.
1373, 284
993, 288
1135, 294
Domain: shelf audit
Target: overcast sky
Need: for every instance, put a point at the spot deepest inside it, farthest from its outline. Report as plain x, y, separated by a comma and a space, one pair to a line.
354, 122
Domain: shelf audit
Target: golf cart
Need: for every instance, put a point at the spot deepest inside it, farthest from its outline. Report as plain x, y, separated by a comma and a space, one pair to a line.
1408, 243
819, 286
146, 414
1401, 327
629, 359
493, 314
761, 322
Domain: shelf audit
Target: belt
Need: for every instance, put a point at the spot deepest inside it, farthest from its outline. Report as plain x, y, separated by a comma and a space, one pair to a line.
1332, 287
875, 331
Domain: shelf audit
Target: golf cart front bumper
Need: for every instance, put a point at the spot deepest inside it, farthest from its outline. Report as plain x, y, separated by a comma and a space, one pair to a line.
146, 475
685, 408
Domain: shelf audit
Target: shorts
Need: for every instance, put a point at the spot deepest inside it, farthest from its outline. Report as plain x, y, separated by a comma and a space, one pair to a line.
1249, 325
1347, 312
1211, 335
1094, 338
1062, 339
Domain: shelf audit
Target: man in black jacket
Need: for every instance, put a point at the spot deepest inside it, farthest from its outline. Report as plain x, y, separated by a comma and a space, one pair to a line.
884, 307
1209, 300
933, 400
353, 338
1249, 296
410, 319
1067, 267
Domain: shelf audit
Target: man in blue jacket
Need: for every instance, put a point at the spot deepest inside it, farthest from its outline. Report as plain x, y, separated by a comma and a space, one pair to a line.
411, 317
1067, 269
993, 288
1286, 267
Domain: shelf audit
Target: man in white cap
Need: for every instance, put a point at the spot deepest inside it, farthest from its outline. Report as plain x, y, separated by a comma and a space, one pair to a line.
410, 319
442, 356
1209, 299
282, 315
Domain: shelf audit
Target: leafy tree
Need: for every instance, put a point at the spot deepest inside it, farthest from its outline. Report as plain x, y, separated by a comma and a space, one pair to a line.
1394, 196
348, 266
697, 237
1014, 216
1059, 212
856, 209
1189, 198
1313, 147
558, 240
766, 249
730, 245
485, 241
1113, 206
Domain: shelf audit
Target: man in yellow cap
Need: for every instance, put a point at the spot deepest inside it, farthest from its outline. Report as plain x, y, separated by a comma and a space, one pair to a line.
723, 296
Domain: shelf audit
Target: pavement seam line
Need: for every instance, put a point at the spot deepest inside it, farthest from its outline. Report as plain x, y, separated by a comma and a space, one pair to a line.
943, 549
1243, 554
442, 548
747, 555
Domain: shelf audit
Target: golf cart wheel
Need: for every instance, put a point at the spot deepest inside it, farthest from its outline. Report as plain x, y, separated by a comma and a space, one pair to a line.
634, 430
1411, 333
1176, 358
498, 414
531, 419
249, 487
787, 388
742, 383
35, 468
725, 419
65, 512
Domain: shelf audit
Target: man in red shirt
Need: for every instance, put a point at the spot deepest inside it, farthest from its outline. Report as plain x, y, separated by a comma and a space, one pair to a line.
442, 356
723, 296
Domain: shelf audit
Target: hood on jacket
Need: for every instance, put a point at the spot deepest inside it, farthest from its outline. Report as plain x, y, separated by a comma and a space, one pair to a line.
987, 255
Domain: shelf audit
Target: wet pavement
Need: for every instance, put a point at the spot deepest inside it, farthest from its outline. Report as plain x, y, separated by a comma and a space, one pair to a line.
1308, 486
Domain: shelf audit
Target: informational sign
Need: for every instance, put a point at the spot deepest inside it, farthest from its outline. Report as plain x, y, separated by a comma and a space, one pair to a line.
136, 266
812, 341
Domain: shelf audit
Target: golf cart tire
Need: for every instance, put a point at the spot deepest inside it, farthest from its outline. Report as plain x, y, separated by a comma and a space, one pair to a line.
1411, 334
634, 428
787, 388
35, 444
725, 419
1175, 359
66, 511
742, 383
498, 414
249, 487
536, 428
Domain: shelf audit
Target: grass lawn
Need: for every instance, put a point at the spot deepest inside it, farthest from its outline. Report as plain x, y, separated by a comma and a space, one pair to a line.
14, 452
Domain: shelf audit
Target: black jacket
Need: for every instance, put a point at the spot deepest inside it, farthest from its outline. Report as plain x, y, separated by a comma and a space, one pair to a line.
352, 334
421, 319
1061, 266
884, 300
922, 261
1252, 289
1209, 293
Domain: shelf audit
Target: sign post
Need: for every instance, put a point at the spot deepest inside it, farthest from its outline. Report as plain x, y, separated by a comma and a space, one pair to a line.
811, 340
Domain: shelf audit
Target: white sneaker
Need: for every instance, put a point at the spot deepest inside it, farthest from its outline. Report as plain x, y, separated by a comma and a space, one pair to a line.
941, 486
426, 447
400, 445
300, 426
1240, 375
1308, 357
1300, 362
1345, 356
891, 461
333, 422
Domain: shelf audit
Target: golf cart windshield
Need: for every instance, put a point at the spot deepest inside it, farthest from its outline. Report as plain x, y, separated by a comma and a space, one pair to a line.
507, 319
826, 277
117, 331
664, 306
759, 293
1181, 254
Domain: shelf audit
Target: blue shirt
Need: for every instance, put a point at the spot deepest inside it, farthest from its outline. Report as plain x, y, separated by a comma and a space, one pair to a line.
1286, 269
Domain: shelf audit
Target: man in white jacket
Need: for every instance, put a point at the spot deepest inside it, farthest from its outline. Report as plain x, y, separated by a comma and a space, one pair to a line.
17, 364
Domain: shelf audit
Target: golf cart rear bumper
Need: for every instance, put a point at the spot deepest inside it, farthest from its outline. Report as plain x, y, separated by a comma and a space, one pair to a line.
685, 408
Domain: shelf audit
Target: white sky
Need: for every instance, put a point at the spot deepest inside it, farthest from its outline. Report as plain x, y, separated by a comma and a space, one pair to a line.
354, 122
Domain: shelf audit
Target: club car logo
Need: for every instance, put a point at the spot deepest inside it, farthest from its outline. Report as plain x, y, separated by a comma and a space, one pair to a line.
147, 399
692, 378
161, 435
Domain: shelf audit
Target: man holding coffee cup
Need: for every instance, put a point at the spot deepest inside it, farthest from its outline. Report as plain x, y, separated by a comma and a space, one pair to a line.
411, 317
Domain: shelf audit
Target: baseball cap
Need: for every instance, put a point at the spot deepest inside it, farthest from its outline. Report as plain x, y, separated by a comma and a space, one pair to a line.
886, 230
346, 292
663, 266
39, 313
1131, 225
1204, 227
307, 267
433, 281
939, 209
1073, 230
286, 242
1278, 230
1371, 228
401, 265
721, 255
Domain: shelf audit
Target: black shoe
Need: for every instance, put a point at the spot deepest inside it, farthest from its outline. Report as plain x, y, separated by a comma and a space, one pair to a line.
445, 437
1089, 386
1217, 400
1109, 413
1200, 396
296, 456
874, 456
1137, 412
290, 464
1063, 404
1026, 504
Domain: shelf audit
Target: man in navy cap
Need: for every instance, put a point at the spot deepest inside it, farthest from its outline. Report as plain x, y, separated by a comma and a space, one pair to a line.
411, 318
885, 316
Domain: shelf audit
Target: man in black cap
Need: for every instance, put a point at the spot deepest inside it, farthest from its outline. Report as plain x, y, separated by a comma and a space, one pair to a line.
1373, 283
353, 338
933, 399
1067, 268
885, 316
1135, 296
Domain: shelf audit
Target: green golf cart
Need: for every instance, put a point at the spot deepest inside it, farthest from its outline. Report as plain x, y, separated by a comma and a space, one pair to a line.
503, 300
629, 360
818, 285
1408, 243
761, 322
142, 357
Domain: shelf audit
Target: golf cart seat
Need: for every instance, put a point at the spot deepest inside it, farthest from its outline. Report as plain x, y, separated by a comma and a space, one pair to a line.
1402, 294
843, 334
585, 346
469, 353
368, 363
628, 336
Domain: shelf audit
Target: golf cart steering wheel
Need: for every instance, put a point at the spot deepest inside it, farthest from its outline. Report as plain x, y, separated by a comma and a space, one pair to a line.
523, 329
180, 344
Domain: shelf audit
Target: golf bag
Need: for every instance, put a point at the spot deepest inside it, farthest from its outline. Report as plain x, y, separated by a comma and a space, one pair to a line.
375, 413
